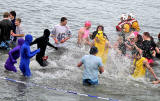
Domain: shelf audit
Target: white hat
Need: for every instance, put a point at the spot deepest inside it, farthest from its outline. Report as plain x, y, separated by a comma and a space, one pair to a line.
124, 16
131, 14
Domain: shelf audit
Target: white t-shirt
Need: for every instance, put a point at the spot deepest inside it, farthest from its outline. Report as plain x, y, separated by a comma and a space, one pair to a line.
19, 30
61, 32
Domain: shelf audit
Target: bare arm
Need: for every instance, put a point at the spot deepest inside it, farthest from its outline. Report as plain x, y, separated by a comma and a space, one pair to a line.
157, 50
150, 69
101, 69
79, 64
80, 33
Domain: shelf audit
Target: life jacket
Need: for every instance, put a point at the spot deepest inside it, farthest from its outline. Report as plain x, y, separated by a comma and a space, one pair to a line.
121, 24
140, 70
131, 21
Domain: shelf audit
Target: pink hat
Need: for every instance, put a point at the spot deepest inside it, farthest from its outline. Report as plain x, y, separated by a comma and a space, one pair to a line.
87, 24
135, 33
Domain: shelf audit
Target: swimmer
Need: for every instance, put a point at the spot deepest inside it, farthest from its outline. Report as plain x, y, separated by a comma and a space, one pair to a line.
42, 43
140, 63
61, 32
26, 54
14, 54
83, 34
92, 65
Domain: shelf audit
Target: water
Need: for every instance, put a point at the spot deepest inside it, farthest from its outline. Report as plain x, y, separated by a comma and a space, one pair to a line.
62, 72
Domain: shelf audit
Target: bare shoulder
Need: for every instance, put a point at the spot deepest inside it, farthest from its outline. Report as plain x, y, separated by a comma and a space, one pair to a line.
81, 30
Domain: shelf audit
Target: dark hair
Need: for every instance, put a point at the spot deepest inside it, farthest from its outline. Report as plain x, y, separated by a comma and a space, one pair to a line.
146, 34
100, 26
159, 36
140, 39
63, 19
6, 15
152, 39
13, 13
93, 50
18, 19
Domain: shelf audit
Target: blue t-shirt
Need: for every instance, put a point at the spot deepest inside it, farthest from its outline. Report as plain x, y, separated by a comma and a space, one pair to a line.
91, 67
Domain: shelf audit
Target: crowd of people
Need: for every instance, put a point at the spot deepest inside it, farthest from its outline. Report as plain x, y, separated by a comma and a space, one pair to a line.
141, 49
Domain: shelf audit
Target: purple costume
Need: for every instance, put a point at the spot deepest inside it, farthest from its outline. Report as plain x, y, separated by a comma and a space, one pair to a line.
14, 54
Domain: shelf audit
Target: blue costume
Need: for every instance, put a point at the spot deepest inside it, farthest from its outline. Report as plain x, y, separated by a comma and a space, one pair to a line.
26, 54
14, 54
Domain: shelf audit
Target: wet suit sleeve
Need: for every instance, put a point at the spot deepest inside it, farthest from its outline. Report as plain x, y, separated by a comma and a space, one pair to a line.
11, 52
49, 44
34, 42
31, 54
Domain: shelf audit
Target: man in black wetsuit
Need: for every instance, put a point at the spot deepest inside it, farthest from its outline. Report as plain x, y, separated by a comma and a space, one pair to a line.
42, 43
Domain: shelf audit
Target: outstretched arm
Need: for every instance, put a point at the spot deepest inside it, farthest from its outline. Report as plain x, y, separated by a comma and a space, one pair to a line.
49, 44
31, 54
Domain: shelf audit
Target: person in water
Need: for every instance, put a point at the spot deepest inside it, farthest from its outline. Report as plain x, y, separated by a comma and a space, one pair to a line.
61, 32
120, 46
83, 34
158, 45
121, 23
99, 28
26, 54
13, 20
147, 48
14, 54
140, 63
92, 65
42, 43
19, 31
6, 30
133, 22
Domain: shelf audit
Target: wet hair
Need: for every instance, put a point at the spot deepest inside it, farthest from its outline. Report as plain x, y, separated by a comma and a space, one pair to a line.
159, 36
6, 15
100, 26
63, 19
93, 50
140, 39
146, 34
13, 13
19, 20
